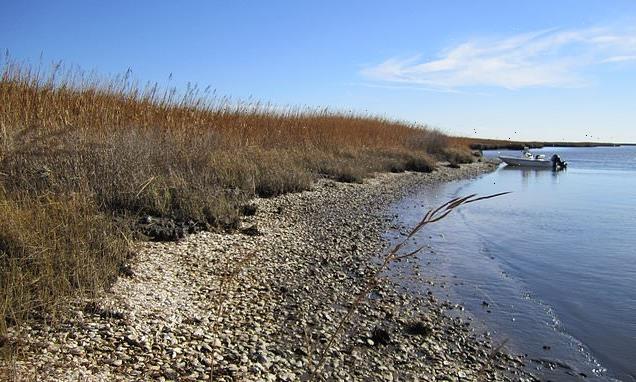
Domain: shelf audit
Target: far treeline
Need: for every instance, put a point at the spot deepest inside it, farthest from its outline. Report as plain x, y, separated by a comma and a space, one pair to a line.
496, 144
84, 159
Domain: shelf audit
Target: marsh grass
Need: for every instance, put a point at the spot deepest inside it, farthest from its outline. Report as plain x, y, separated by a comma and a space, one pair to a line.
82, 155
51, 247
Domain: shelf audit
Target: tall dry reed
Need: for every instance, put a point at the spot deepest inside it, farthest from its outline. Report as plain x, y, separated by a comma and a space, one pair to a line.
81, 155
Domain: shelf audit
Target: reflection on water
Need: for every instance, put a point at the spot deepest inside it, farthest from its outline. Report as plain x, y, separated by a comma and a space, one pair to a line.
533, 174
554, 260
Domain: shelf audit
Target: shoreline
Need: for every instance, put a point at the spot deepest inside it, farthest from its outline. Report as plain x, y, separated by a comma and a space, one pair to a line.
260, 306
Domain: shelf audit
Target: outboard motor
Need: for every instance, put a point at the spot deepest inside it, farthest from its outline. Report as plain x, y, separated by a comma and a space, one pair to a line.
557, 163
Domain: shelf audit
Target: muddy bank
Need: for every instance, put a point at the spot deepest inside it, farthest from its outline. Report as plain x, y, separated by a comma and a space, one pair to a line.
260, 305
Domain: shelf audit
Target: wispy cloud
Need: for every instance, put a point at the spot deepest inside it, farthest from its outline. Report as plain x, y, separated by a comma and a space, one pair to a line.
619, 59
545, 58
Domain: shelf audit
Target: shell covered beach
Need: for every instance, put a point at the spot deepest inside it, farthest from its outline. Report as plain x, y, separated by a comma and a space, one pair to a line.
261, 305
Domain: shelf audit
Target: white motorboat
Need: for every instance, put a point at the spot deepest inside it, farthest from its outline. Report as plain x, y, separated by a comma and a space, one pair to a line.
537, 161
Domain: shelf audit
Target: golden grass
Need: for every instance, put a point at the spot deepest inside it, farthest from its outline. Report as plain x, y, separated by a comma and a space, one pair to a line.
81, 155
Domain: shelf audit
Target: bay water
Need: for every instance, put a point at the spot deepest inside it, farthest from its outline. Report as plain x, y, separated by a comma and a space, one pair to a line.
549, 269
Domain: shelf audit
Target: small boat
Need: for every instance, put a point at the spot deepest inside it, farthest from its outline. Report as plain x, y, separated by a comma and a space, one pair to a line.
537, 161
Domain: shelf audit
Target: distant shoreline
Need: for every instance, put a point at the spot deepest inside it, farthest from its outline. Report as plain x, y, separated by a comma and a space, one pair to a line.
493, 144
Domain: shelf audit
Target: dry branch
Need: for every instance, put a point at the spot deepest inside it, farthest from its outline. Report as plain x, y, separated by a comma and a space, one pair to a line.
432, 216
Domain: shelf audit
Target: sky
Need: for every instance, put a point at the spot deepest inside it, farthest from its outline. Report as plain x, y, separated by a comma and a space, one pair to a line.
526, 70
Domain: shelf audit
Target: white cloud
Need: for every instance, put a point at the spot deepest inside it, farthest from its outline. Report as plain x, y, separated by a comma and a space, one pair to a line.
619, 59
546, 58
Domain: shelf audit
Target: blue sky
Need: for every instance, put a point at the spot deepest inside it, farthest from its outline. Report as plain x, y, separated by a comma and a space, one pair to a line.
545, 70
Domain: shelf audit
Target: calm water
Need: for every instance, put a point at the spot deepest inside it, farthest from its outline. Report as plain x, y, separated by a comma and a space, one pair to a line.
555, 261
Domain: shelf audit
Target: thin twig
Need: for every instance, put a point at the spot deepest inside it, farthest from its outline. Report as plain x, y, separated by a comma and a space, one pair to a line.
146, 184
492, 355
432, 216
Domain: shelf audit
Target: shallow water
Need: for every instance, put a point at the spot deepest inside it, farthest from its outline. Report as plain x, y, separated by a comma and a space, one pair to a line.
550, 268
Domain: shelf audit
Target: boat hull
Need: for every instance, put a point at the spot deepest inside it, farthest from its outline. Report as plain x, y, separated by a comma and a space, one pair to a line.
522, 162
